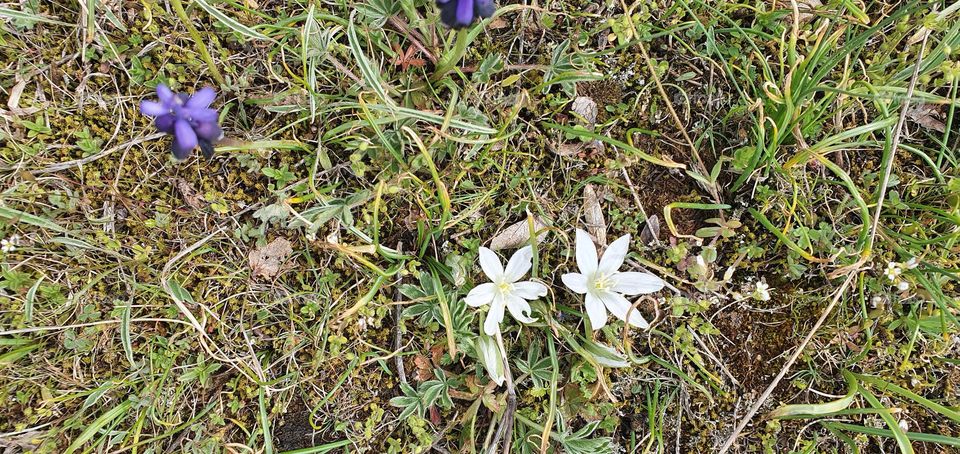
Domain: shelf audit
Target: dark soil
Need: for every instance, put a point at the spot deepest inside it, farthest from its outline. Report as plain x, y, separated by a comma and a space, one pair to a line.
295, 432
757, 343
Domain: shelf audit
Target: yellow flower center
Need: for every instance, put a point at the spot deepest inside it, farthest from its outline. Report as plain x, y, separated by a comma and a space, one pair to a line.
504, 288
602, 282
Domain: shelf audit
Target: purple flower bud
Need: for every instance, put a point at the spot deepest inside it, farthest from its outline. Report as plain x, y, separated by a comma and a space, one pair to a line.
189, 119
461, 13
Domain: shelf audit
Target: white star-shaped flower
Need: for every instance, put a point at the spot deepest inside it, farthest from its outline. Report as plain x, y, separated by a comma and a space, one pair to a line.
893, 271
604, 285
9, 244
505, 290
762, 291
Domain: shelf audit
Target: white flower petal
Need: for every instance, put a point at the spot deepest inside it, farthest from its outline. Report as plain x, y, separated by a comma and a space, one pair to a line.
519, 264
596, 311
490, 264
575, 281
586, 253
519, 309
529, 290
490, 356
619, 306
481, 295
614, 255
491, 324
636, 283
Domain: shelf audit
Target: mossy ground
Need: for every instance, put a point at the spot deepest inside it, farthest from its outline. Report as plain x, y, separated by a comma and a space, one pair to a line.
118, 246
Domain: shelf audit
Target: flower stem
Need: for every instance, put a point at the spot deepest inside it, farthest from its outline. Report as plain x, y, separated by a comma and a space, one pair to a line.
451, 57
506, 423
198, 40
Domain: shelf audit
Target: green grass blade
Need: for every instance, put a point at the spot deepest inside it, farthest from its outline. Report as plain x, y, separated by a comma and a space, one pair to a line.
371, 76
403, 113
13, 14
895, 431
820, 409
229, 22
942, 440
929, 404
30, 299
265, 423
97, 425
16, 216
125, 334
321, 449
12, 356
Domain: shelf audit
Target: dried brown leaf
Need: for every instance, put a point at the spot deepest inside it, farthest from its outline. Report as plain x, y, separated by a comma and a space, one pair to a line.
927, 116
651, 230
593, 215
424, 370
806, 10
190, 195
517, 235
266, 261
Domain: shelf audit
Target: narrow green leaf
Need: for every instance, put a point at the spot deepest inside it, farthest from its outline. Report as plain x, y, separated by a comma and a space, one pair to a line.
371, 76
13, 215
229, 22
321, 449
895, 431
20, 15
12, 356
820, 409
31, 297
931, 405
265, 424
402, 113
97, 425
179, 292
915, 436
125, 334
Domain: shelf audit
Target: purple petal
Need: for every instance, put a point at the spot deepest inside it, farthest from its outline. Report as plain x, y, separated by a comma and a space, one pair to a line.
164, 123
202, 115
485, 8
184, 139
202, 98
465, 12
165, 94
440, 2
153, 108
208, 131
448, 14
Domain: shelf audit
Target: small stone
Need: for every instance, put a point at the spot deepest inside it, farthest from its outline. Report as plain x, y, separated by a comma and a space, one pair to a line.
586, 110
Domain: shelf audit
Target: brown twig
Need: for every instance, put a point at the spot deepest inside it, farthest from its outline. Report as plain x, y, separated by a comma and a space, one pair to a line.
414, 36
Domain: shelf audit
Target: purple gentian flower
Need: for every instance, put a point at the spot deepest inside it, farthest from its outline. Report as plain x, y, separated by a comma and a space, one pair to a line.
189, 119
461, 13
